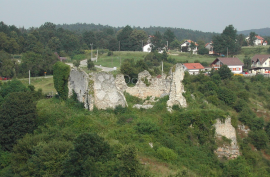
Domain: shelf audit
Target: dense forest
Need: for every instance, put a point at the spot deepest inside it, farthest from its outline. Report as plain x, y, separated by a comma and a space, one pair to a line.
180, 33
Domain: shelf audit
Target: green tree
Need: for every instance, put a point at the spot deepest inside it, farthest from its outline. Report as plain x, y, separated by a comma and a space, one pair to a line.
130, 165
225, 72
259, 139
136, 39
252, 38
4, 41
55, 44
33, 62
124, 38
113, 44
228, 39
169, 36
90, 64
89, 148
17, 117
89, 38
157, 41
6, 65
247, 63
60, 78
12, 86
174, 44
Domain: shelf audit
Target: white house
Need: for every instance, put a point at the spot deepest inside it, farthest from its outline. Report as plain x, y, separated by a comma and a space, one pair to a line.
193, 68
147, 48
260, 64
235, 65
258, 41
186, 46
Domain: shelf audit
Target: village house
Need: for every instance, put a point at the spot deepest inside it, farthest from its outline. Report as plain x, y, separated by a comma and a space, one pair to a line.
235, 65
210, 47
193, 68
147, 48
260, 64
185, 47
258, 41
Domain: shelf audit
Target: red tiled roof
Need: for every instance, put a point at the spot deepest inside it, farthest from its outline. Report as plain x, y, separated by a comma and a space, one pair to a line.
229, 61
261, 58
259, 37
193, 65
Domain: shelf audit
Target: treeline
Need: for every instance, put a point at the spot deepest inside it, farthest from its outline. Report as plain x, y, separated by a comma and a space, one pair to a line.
180, 33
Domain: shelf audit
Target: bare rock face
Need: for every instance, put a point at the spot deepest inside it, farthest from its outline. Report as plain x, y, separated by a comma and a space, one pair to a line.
226, 129
97, 89
177, 88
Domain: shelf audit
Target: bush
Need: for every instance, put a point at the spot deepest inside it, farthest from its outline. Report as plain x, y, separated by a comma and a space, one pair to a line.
239, 105
146, 127
259, 139
166, 154
226, 95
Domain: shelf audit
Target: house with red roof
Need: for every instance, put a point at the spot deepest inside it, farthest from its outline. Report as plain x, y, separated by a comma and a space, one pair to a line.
193, 68
235, 65
210, 47
258, 41
260, 64
185, 47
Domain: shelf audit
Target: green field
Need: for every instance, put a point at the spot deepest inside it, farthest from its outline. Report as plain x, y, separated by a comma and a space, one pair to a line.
46, 84
118, 57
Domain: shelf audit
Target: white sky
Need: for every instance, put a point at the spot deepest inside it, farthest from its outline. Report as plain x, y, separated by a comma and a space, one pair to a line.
203, 15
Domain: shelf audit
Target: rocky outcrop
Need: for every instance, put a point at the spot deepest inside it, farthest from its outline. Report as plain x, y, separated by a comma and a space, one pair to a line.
226, 129
96, 89
177, 88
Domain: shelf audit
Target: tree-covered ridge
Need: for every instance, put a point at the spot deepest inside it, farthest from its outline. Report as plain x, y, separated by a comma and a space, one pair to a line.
180, 33
261, 32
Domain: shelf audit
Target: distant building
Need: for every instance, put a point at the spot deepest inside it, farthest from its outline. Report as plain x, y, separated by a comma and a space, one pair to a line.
210, 47
60, 58
193, 68
260, 64
235, 65
185, 47
147, 48
258, 41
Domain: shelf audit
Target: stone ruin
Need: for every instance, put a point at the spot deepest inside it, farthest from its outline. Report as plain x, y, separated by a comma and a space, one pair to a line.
104, 91
95, 89
226, 129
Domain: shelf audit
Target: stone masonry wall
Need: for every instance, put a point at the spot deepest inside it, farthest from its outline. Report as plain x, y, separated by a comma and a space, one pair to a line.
177, 88
96, 89
226, 129
145, 86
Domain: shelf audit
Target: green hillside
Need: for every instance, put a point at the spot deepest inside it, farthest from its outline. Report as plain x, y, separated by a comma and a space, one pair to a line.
178, 148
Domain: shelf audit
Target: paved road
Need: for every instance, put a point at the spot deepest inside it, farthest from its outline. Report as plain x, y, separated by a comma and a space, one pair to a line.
83, 63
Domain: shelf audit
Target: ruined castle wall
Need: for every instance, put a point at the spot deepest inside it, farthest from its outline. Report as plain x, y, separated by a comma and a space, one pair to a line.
106, 94
177, 88
146, 85
96, 89
226, 129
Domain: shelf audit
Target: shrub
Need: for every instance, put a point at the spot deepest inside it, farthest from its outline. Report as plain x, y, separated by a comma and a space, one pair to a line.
226, 95
146, 127
166, 154
239, 105
259, 139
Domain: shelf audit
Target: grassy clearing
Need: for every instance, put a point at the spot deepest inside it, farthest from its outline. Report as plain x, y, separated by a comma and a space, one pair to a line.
46, 84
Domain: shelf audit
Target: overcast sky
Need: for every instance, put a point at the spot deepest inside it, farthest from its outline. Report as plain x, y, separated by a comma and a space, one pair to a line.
203, 15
